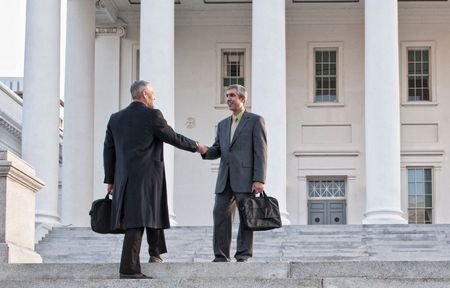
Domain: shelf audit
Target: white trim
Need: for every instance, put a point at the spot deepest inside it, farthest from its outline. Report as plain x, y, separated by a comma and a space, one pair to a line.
325, 104
247, 72
339, 47
11, 93
351, 153
404, 45
433, 152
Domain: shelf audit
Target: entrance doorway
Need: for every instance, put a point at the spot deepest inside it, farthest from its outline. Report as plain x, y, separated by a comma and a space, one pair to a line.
327, 204
326, 212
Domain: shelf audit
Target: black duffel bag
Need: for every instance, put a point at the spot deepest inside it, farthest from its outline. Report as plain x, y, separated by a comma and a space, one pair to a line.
101, 217
259, 213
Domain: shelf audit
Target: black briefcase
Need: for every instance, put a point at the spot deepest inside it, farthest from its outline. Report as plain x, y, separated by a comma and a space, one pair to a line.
259, 213
101, 217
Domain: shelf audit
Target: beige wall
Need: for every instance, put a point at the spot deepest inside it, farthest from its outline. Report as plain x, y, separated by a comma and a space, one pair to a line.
314, 132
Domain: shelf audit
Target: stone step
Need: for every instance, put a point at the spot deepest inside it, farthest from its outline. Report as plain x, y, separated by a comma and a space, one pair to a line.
166, 283
251, 270
290, 243
354, 274
232, 283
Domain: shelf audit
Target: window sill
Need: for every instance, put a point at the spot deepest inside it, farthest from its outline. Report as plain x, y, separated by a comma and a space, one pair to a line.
325, 104
419, 103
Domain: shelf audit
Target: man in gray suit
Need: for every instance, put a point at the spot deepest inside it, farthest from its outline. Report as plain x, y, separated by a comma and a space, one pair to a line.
134, 171
242, 147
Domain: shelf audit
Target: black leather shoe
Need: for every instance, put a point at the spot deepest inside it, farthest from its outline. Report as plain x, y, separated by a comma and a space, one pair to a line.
134, 276
155, 259
219, 260
242, 260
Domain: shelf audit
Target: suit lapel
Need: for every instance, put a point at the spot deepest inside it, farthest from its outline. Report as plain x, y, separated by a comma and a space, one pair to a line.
228, 129
240, 126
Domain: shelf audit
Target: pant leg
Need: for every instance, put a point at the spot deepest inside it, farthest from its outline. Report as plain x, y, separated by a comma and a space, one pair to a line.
223, 218
244, 247
156, 242
129, 262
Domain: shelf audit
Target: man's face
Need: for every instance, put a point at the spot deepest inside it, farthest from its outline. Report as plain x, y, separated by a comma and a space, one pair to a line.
149, 96
235, 103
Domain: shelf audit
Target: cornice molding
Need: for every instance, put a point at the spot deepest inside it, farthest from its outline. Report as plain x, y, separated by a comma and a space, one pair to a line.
424, 152
29, 181
107, 10
241, 17
10, 128
15, 168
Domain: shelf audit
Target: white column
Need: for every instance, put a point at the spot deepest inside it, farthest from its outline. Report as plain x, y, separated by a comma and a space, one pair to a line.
382, 114
40, 122
157, 66
269, 78
107, 89
78, 113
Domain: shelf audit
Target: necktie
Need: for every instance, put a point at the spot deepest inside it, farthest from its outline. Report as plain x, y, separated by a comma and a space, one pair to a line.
234, 124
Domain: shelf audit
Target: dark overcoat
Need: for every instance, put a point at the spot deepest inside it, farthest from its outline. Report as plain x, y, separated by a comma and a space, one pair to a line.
134, 163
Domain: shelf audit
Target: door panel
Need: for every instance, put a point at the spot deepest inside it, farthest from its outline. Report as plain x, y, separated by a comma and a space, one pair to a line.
327, 212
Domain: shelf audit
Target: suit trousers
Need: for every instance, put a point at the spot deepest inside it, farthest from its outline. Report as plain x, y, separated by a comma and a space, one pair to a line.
129, 262
223, 214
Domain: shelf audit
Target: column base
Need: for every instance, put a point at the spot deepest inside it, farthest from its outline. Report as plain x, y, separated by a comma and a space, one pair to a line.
18, 254
44, 223
172, 219
384, 217
284, 218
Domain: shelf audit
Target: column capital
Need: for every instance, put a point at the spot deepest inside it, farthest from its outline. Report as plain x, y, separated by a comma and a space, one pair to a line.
117, 29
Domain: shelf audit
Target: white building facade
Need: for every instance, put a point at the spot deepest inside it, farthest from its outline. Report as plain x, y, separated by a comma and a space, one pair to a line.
354, 94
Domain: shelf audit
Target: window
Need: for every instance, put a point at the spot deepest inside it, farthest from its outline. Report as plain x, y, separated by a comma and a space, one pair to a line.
233, 64
325, 75
233, 69
326, 188
325, 87
418, 74
420, 196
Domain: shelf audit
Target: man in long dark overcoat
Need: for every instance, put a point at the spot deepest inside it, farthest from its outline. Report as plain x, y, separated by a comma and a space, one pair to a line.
134, 173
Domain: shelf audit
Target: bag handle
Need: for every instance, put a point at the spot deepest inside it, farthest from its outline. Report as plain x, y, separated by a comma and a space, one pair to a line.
261, 194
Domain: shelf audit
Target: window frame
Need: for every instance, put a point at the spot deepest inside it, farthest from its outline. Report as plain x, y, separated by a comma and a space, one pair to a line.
326, 178
339, 48
404, 46
433, 195
223, 47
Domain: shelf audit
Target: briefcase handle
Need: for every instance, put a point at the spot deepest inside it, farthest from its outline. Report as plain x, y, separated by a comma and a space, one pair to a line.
261, 194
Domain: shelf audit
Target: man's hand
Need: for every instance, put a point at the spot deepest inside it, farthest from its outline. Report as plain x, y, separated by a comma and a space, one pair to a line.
110, 188
257, 187
202, 149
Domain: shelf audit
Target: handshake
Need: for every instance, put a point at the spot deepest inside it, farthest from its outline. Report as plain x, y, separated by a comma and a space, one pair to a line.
202, 149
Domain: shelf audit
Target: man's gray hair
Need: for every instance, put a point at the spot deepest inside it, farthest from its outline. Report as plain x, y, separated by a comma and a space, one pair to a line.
240, 90
137, 87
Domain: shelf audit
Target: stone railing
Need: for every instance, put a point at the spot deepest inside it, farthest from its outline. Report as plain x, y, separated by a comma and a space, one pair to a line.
18, 187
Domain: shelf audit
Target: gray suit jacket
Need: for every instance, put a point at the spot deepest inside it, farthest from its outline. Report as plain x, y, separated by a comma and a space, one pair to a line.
244, 160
